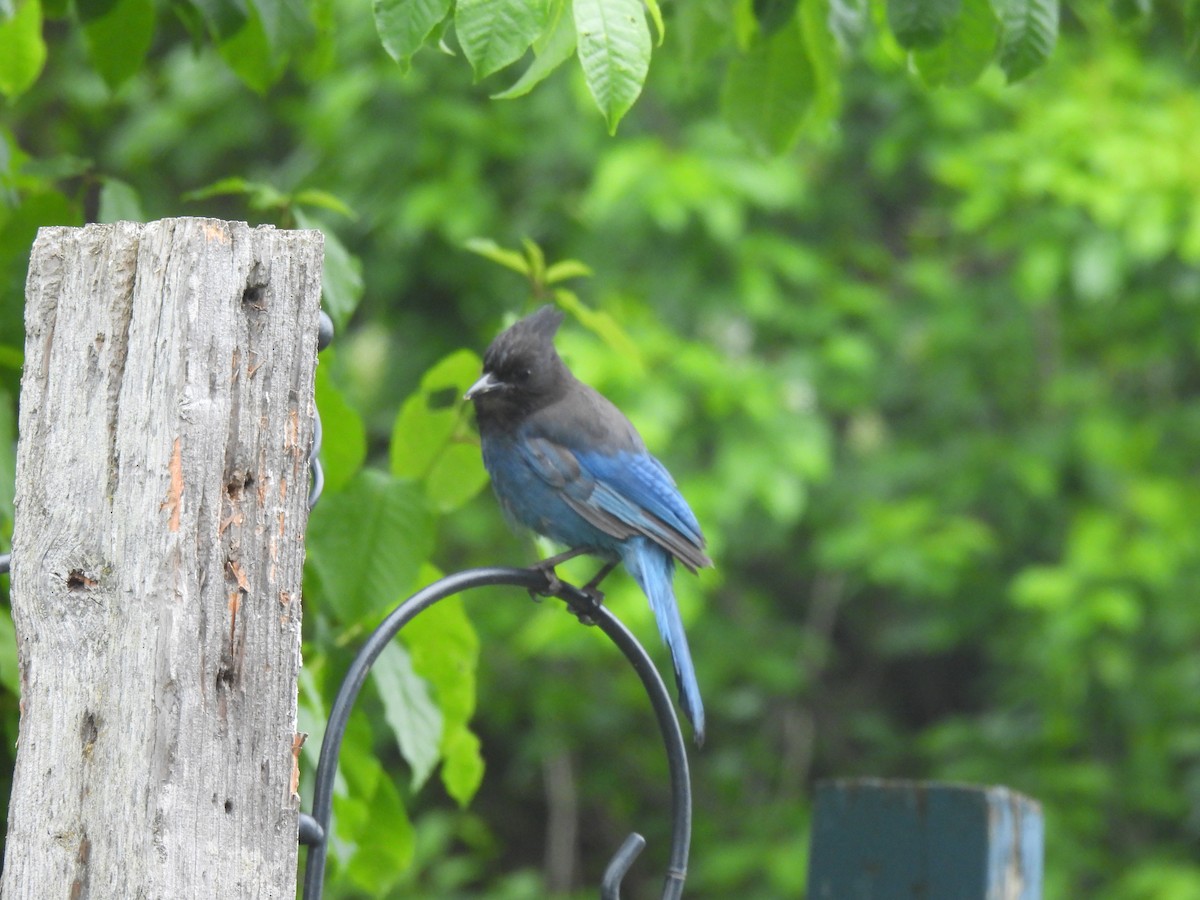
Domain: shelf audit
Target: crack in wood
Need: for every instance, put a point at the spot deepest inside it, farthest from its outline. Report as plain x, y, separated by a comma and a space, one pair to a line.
79, 886
89, 731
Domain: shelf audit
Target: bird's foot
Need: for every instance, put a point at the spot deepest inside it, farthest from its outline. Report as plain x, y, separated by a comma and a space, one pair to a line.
595, 597
595, 600
546, 567
553, 583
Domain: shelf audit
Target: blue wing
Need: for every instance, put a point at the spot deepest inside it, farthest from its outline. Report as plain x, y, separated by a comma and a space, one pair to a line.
625, 493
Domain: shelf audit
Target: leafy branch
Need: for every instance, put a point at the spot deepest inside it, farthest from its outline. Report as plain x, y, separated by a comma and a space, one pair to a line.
782, 58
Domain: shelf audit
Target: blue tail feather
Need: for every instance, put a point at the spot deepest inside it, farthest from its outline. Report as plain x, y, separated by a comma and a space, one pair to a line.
654, 570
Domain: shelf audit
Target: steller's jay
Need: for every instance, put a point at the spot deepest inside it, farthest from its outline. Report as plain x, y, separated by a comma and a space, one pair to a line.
566, 463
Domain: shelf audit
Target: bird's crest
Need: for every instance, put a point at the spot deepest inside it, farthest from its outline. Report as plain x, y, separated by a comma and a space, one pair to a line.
542, 324
530, 338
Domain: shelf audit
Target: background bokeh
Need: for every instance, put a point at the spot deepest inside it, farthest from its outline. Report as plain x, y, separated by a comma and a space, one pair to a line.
929, 379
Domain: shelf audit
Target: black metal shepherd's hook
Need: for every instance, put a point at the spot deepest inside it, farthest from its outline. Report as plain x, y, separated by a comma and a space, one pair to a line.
314, 828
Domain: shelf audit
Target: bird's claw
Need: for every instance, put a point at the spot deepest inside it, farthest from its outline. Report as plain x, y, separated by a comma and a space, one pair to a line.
595, 599
553, 584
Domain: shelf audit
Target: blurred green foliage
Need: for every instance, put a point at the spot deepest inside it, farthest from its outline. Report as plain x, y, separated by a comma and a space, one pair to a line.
781, 55
929, 380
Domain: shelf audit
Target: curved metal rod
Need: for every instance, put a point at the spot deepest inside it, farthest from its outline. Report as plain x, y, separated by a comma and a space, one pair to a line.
316, 470
534, 580
317, 473
610, 887
5, 561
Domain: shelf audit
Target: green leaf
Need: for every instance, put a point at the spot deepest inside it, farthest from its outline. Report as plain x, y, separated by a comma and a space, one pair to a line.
1029, 33
286, 23
10, 671
405, 25
968, 49
18, 229
386, 844
455, 477
1128, 12
90, 10
555, 10
344, 437
22, 50
419, 435
489, 249
8, 458
823, 56
1191, 28
462, 766
429, 438
537, 260
119, 202
223, 187
409, 711
566, 269
494, 33
614, 50
317, 60
223, 17
118, 41
746, 27
445, 652
558, 47
772, 15
248, 53
259, 195
373, 841
600, 324
311, 714
768, 90
58, 167
656, 16
431, 416
341, 276
358, 777
324, 200
367, 543
921, 23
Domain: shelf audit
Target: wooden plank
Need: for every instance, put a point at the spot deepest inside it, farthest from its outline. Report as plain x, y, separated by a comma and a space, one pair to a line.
874, 839
166, 416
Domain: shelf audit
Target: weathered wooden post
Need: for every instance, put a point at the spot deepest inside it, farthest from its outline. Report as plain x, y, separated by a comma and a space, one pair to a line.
166, 417
875, 839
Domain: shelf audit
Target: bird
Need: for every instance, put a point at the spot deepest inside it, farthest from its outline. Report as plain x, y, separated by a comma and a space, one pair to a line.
567, 464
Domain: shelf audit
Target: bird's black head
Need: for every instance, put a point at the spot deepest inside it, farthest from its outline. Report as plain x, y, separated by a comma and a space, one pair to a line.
521, 370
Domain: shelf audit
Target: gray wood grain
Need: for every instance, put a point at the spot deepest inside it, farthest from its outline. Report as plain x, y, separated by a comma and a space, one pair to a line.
166, 416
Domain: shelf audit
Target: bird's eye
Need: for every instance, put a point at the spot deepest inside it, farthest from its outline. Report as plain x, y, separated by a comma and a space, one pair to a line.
524, 374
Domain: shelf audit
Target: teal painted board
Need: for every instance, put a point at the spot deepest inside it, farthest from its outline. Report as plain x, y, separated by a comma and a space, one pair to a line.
916, 840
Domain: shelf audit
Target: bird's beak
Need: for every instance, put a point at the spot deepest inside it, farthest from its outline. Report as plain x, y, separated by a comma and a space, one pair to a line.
487, 383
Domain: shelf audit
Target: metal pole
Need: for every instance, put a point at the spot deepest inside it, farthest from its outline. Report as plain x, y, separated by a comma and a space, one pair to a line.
315, 828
